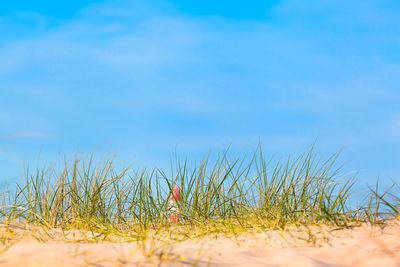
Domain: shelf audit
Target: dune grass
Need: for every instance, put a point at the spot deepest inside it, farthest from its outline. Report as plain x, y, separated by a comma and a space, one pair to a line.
223, 193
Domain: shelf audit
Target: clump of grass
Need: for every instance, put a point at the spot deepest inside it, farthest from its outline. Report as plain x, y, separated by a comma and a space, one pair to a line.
220, 194
387, 204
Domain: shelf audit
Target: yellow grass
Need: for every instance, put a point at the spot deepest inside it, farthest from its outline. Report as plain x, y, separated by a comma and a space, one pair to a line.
364, 245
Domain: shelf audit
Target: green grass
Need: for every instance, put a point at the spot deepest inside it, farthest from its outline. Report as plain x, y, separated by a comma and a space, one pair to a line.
222, 193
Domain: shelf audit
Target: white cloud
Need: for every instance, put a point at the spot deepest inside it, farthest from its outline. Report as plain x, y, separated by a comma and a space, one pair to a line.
325, 69
29, 135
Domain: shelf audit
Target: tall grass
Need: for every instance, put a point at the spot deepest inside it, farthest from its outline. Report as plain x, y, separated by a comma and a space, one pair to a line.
222, 191
387, 202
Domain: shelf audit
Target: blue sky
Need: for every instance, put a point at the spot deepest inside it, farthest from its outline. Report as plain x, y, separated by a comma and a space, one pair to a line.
149, 76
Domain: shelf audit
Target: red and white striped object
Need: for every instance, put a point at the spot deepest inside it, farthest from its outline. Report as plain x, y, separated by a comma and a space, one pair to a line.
174, 201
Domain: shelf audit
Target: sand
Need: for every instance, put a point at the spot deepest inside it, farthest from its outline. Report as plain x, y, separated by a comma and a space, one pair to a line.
317, 246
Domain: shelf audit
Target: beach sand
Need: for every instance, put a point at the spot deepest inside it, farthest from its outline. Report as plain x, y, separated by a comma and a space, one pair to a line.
315, 246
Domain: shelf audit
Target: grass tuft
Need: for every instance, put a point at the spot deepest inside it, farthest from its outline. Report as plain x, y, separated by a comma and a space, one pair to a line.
221, 194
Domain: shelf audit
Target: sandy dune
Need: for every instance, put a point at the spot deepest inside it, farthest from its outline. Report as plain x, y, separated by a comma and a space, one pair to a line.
317, 246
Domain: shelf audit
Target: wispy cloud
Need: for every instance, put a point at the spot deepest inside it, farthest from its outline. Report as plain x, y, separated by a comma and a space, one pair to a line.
28, 135
140, 73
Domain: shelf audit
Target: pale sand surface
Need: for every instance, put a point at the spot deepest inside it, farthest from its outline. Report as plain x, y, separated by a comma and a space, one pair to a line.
360, 246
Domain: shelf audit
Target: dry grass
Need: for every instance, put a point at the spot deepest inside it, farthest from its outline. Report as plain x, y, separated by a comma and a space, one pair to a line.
363, 245
89, 212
